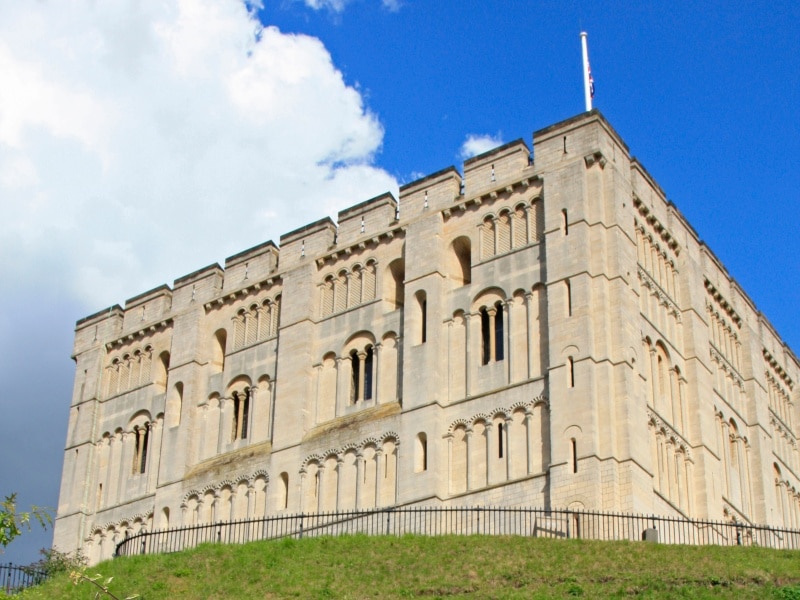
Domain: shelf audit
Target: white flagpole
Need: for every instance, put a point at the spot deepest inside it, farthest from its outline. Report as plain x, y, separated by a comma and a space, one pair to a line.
587, 91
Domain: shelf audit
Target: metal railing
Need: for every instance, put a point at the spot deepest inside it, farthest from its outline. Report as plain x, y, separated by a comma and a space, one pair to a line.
14, 579
428, 520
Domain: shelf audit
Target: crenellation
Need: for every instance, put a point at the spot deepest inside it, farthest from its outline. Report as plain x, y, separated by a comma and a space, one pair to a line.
435, 192
307, 243
487, 172
147, 307
91, 331
252, 265
556, 335
197, 288
366, 219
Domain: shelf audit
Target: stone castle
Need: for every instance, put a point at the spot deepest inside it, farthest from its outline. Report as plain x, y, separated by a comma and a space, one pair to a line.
544, 330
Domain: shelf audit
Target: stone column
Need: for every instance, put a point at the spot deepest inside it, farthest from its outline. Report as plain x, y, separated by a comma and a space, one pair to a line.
376, 352
378, 475
125, 465
362, 357
343, 376
492, 312
223, 419
154, 455
507, 339
507, 447
467, 356
449, 464
468, 466
528, 439
359, 479
653, 376
339, 468
529, 335
489, 452
303, 506
320, 487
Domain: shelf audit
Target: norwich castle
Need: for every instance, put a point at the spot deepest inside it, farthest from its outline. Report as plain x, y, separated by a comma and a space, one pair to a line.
542, 328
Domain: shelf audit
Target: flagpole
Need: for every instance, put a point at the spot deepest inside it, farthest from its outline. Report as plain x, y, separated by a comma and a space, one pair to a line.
587, 88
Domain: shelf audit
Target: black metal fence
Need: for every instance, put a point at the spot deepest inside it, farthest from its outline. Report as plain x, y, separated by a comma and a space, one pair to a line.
428, 520
14, 579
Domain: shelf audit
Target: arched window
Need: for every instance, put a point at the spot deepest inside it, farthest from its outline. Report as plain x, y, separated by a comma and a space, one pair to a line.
368, 374
537, 220
326, 300
340, 292
485, 337
488, 237
499, 329
570, 372
218, 355
241, 414
422, 316
573, 446
503, 226
568, 296
174, 405
395, 279
421, 454
492, 333
162, 369
361, 380
283, 500
141, 441
461, 269
520, 226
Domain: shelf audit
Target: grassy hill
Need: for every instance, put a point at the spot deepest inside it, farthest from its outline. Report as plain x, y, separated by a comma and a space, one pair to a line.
433, 567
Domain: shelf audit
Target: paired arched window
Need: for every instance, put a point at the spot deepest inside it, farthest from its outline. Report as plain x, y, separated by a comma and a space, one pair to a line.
241, 414
362, 364
141, 442
511, 228
347, 288
492, 331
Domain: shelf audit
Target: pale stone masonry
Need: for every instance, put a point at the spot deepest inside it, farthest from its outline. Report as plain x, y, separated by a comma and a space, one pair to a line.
545, 330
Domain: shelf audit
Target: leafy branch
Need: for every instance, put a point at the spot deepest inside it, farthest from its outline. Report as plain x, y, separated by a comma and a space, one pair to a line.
12, 523
77, 576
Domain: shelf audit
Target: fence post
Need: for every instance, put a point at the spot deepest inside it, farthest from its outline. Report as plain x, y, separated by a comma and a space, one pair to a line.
301, 527
568, 520
388, 514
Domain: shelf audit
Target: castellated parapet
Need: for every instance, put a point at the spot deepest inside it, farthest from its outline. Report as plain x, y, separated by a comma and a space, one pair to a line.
545, 329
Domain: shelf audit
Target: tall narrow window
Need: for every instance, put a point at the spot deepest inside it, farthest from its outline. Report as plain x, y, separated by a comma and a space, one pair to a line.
568, 293
574, 453
424, 327
570, 372
500, 440
421, 317
421, 457
218, 351
355, 365
486, 343
368, 374
565, 222
284, 499
498, 331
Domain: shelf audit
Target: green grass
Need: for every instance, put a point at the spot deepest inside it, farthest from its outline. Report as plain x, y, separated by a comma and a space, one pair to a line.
454, 567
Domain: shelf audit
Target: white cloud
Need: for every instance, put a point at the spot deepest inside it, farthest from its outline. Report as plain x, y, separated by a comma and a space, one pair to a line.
140, 141
338, 6
392, 5
478, 144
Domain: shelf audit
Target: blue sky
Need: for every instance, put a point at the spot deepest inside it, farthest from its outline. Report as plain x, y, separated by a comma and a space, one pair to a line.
139, 143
